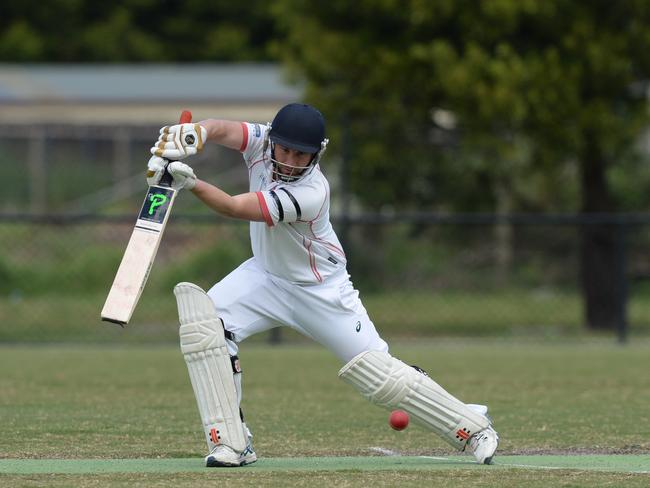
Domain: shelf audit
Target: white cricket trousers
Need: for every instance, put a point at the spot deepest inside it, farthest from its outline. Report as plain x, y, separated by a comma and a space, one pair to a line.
250, 300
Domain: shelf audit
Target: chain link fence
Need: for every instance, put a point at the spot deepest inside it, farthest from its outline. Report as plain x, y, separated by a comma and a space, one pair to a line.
419, 276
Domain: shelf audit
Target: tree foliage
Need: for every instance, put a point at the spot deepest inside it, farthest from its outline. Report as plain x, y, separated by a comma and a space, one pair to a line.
536, 88
134, 30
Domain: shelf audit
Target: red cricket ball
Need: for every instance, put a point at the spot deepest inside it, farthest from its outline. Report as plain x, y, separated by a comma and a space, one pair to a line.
398, 419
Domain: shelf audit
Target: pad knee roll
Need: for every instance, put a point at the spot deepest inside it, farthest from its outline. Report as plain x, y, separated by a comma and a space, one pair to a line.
390, 383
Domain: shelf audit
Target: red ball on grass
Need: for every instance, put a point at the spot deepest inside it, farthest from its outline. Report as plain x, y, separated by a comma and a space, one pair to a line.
398, 419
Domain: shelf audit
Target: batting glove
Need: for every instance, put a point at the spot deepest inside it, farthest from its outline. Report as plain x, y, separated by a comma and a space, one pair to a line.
180, 141
155, 170
183, 176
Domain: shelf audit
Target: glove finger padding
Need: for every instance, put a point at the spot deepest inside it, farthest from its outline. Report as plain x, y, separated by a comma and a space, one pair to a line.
182, 174
155, 170
179, 141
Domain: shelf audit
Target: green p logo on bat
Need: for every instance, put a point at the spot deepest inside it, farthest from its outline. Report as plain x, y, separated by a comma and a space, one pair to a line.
156, 204
155, 201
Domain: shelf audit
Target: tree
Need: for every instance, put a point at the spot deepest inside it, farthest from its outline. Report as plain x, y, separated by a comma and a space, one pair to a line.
535, 86
134, 30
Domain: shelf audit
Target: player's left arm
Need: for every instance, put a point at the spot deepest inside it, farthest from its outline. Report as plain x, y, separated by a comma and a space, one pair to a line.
245, 206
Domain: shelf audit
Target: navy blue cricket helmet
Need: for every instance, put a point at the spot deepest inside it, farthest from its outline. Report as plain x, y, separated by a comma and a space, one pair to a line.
300, 127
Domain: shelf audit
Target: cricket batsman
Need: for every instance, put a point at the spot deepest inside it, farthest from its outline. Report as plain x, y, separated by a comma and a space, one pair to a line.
297, 278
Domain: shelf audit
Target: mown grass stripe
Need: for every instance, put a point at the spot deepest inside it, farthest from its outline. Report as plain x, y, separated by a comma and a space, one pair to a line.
597, 462
611, 463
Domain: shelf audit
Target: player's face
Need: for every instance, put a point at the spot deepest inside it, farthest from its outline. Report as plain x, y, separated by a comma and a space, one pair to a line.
291, 160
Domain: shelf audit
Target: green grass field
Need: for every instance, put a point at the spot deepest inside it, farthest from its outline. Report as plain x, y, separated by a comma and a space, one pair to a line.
570, 414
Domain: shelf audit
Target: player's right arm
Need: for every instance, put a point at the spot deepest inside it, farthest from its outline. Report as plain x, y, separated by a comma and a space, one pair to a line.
182, 140
227, 133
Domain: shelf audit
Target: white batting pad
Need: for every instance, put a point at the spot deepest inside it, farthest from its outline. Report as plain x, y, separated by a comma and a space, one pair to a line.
204, 348
390, 383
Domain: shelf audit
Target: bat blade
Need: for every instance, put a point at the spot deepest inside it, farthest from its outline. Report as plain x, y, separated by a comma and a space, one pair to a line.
139, 256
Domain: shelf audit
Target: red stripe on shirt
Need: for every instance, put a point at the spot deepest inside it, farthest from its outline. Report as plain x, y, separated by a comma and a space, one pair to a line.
264, 208
244, 143
328, 245
312, 260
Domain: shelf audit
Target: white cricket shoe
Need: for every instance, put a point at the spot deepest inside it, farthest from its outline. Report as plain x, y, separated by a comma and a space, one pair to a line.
225, 457
483, 445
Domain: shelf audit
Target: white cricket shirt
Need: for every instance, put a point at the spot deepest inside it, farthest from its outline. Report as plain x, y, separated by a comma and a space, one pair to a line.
296, 242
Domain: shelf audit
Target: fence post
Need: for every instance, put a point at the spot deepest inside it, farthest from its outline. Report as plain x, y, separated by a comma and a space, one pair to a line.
503, 233
275, 336
37, 170
621, 278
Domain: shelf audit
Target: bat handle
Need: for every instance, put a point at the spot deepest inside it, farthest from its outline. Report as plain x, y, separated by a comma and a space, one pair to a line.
186, 117
166, 179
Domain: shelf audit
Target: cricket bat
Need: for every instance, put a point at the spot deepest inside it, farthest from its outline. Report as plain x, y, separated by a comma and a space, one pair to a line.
141, 250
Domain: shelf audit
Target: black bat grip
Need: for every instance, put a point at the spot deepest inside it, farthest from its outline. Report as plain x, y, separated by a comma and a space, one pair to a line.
166, 179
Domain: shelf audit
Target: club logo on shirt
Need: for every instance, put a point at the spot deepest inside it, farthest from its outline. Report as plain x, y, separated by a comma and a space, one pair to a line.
358, 328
